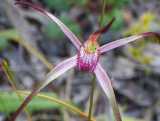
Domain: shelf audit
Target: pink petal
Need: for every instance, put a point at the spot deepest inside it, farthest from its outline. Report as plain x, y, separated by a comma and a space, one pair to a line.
63, 27
124, 41
59, 70
106, 85
52, 75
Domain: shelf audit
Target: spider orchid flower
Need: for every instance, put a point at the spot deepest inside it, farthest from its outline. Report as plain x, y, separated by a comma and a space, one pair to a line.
87, 58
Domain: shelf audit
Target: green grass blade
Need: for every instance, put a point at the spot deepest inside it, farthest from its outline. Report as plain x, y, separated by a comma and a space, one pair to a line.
12, 34
10, 76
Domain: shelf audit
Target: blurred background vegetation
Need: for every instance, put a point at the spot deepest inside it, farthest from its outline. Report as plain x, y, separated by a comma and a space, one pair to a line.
32, 45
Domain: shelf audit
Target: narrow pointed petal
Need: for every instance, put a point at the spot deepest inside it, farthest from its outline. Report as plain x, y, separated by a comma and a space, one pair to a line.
52, 75
106, 28
59, 70
106, 85
62, 26
126, 40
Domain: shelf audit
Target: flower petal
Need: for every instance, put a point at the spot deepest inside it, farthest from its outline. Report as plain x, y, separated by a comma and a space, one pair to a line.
52, 75
124, 41
106, 28
106, 85
59, 70
63, 27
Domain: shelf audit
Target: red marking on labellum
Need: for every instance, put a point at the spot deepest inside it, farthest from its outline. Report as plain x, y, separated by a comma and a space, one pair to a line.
93, 37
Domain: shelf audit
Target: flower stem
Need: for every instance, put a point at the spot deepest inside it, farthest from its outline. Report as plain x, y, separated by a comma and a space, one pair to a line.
102, 14
91, 98
94, 77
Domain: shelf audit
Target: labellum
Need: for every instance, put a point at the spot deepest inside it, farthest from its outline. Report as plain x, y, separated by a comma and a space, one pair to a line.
88, 55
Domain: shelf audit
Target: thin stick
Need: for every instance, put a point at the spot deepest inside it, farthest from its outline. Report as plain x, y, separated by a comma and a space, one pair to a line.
102, 15
92, 98
12, 81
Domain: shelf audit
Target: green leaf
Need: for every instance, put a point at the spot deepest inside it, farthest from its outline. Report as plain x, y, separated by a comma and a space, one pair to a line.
53, 31
78, 2
57, 4
5, 36
9, 34
118, 3
9, 102
3, 43
118, 24
116, 10
63, 5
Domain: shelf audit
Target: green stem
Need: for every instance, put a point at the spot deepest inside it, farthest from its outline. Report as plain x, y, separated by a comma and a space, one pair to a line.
91, 98
94, 77
102, 15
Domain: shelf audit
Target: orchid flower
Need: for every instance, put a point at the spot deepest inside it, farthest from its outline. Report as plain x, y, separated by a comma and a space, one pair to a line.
87, 59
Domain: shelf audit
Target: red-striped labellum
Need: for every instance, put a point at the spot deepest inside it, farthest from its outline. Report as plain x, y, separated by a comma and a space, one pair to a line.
88, 55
